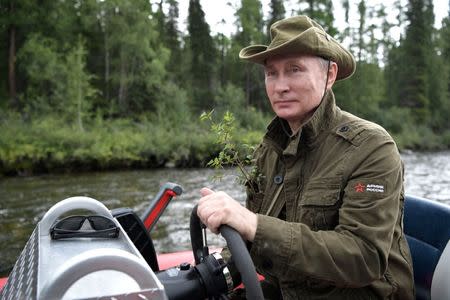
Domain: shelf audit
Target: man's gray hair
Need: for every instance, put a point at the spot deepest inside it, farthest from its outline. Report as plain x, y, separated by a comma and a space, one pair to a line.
324, 63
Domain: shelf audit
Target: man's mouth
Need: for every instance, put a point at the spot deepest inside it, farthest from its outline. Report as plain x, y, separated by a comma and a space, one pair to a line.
281, 102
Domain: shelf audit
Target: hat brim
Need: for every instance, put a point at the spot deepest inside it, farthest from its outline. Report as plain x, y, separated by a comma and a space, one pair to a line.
312, 42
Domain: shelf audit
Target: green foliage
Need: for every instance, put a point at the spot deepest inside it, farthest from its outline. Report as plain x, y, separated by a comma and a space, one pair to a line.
250, 19
445, 143
175, 109
397, 120
134, 59
231, 153
49, 143
64, 78
232, 99
104, 84
40, 61
420, 138
78, 91
363, 92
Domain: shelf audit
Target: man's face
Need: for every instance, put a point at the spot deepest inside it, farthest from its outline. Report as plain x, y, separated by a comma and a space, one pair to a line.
295, 85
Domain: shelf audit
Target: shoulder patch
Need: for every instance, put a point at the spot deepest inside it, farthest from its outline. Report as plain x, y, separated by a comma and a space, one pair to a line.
367, 187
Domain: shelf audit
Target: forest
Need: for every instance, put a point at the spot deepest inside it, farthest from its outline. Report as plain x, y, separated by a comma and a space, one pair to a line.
113, 84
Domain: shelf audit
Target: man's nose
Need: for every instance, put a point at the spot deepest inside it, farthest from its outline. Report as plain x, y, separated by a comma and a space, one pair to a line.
281, 84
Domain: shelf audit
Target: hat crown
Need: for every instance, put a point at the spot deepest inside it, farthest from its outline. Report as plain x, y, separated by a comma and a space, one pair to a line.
287, 29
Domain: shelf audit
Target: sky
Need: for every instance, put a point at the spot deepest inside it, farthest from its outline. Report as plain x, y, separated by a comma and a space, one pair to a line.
218, 10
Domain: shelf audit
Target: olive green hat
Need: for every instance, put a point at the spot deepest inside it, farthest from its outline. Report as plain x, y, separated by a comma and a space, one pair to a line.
301, 34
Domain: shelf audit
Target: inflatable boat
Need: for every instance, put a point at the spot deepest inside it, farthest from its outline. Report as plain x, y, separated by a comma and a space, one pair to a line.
118, 261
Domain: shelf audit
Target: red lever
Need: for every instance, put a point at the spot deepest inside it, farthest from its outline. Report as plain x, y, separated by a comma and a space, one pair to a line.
157, 211
159, 204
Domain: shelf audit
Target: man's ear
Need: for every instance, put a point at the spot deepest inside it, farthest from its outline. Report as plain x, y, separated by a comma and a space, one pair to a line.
332, 74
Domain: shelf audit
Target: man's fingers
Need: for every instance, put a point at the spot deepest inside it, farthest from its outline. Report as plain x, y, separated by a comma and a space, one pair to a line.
205, 192
214, 222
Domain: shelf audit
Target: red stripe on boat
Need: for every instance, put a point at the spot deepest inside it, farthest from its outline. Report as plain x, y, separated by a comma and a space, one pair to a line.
2, 282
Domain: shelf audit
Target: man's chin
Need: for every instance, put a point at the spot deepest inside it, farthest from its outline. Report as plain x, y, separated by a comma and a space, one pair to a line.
289, 117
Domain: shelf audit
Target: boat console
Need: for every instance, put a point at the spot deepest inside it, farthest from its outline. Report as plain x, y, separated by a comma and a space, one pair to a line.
81, 267
115, 257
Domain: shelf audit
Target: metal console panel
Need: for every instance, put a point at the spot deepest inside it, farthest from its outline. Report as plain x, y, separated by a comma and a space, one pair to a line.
80, 268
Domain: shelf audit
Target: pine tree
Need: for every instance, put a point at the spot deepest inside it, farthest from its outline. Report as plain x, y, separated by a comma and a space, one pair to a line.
445, 44
413, 81
393, 57
362, 28
202, 66
160, 19
172, 40
363, 92
439, 76
78, 89
250, 24
17, 20
321, 11
277, 12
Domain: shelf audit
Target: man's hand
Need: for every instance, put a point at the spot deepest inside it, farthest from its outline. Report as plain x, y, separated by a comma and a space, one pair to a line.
215, 209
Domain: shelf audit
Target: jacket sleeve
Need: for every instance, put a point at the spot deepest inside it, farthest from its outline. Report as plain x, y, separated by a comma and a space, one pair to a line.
356, 251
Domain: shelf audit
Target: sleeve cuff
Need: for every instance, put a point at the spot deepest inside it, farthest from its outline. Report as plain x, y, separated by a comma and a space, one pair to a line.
272, 245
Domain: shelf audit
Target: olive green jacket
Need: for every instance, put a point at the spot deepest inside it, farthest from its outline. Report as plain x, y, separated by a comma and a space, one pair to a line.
329, 203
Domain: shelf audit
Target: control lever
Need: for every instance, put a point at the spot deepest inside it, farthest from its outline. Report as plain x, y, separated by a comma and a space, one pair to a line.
159, 204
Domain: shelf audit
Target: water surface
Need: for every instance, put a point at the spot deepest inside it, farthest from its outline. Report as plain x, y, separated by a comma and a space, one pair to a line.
23, 201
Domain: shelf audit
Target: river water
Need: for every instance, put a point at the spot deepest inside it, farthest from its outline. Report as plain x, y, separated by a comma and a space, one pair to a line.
23, 201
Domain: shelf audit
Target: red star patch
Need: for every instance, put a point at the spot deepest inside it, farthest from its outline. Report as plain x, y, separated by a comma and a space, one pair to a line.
359, 188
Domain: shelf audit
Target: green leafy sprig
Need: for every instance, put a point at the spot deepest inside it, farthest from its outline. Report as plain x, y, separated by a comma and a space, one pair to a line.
230, 154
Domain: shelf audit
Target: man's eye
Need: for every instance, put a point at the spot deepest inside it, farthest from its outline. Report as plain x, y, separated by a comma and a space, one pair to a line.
270, 73
295, 69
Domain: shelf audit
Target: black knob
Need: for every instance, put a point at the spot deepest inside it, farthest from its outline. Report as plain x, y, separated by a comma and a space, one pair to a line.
185, 266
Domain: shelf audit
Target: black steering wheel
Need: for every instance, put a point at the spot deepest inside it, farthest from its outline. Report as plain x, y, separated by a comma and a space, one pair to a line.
238, 250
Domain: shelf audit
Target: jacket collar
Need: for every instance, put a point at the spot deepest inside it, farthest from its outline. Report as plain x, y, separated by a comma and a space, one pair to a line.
322, 119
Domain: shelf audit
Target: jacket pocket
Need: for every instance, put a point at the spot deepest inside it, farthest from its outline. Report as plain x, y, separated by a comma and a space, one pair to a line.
319, 207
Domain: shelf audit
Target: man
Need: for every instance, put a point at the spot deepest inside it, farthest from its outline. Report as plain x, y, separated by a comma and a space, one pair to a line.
324, 216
